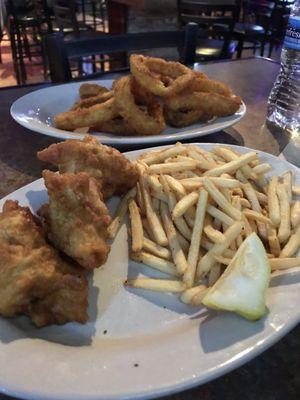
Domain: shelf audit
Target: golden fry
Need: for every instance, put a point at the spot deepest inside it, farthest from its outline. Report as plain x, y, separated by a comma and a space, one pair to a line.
284, 230
221, 200
158, 285
189, 274
176, 250
137, 236
155, 262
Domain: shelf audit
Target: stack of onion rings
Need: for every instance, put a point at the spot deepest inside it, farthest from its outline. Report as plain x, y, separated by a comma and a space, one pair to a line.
157, 92
147, 120
148, 70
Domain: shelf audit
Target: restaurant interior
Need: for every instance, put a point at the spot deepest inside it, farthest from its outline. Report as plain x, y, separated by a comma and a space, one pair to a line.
238, 29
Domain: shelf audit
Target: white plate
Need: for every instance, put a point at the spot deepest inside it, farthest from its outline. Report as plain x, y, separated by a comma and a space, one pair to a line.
174, 346
36, 111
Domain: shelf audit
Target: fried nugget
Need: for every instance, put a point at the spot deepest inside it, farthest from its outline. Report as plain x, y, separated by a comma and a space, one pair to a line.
76, 218
107, 165
34, 279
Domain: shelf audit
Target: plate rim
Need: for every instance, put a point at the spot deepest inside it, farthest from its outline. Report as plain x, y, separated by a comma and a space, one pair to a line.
123, 140
194, 381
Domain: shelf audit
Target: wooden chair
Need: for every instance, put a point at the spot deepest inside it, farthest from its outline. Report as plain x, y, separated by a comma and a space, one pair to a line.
216, 20
60, 52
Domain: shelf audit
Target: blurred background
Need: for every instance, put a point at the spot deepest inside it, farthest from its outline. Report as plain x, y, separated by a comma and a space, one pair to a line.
236, 29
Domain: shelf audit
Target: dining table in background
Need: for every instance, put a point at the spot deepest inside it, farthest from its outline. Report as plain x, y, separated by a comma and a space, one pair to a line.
274, 375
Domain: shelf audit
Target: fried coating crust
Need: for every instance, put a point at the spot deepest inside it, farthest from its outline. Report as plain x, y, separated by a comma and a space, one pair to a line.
34, 279
87, 90
76, 218
91, 101
211, 103
147, 120
108, 166
85, 117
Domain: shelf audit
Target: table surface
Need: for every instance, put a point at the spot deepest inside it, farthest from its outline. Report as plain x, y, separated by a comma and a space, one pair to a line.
274, 375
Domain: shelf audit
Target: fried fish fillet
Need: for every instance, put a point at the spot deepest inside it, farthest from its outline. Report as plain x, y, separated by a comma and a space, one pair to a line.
107, 165
34, 279
76, 218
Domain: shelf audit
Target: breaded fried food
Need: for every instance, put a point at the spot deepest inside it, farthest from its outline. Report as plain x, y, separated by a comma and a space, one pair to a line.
34, 279
76, 219
85, 117
108, 166
91, 101
211, 103
87, 90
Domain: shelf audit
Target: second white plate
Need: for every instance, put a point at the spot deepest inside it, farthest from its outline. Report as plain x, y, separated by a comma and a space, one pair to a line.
137, 344
36, 111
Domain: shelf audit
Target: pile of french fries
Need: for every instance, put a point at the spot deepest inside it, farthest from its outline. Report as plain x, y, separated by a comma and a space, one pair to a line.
192, 209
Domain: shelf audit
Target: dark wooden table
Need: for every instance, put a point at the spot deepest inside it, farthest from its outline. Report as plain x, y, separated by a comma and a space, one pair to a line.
274, 375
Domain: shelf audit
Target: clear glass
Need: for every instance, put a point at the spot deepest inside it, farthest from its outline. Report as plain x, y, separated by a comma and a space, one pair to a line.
284, 101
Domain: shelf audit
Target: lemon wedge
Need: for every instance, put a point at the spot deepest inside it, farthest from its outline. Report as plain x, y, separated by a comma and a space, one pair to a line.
242, 287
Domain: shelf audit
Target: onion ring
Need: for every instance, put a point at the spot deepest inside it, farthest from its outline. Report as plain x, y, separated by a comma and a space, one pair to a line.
182, 118
91, 89
211, 103
148, 71
118, 126
85, 117
91, 101
210, 86
148, 122
200, 75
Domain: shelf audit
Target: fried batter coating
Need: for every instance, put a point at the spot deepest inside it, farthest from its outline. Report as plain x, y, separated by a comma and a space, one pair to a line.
91, 89
34, 279
76, 218
211, 103
184, 118
85, 117
147, 120
91, 101
108, 166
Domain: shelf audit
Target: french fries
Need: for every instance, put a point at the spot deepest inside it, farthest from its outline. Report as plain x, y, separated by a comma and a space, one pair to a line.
155, 262
152, 217
158, 285
292, 245
156, 249
232, 166
192, 209
208, 260
273, 203
284, 229
189, 274
184, 204
176, 250
137, 235
120, 213
295, 214
221, 200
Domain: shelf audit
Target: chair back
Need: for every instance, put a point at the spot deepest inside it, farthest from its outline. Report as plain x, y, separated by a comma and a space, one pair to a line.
15, 8
216, 19
65, 16
258, 12
61, 52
